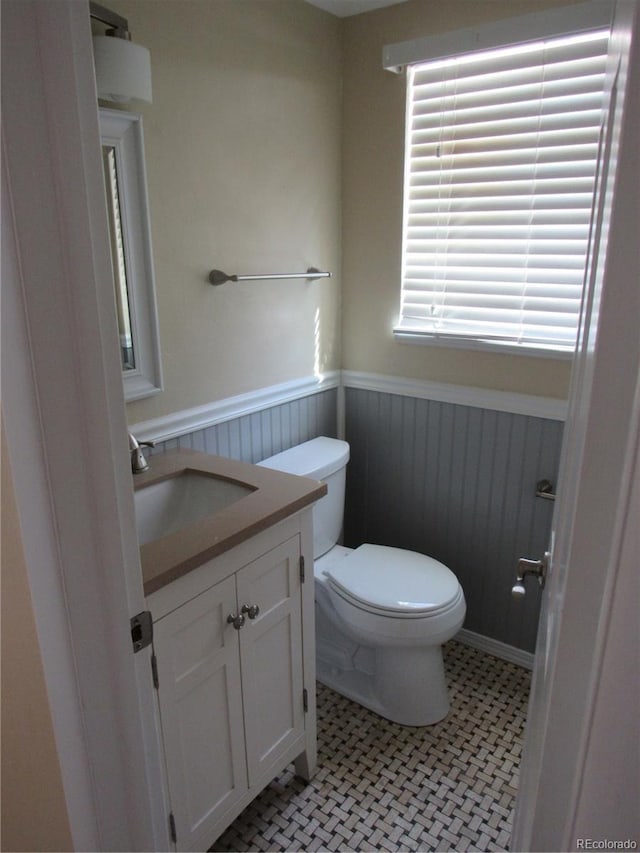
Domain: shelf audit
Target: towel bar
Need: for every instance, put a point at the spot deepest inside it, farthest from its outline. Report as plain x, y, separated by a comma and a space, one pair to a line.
218, 277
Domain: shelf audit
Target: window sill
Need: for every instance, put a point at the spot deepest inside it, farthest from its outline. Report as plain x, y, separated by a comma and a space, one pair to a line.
529, 350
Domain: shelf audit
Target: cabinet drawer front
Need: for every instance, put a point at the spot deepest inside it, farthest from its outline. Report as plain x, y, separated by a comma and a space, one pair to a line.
201, 711
271, 649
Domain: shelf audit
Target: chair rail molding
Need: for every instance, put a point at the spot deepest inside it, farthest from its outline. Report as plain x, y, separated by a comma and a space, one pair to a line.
185, 421
550, 408
177, 424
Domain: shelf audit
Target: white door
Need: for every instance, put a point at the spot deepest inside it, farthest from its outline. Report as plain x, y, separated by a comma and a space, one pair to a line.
198, 660
601, 439
271, 652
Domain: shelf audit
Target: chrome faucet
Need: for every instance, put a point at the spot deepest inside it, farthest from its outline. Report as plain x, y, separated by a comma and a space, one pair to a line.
138, 461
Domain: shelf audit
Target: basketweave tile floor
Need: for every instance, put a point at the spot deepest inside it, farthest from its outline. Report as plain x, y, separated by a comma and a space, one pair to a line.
385, 787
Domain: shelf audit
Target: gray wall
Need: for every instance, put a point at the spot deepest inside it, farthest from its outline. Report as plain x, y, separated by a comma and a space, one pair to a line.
253, 437
457, 483
451, 481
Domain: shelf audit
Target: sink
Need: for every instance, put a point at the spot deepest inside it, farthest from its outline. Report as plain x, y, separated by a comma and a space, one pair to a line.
169, 505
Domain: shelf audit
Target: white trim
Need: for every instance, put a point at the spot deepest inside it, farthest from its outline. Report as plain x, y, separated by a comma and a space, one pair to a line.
495, 648
186, 421
123, 131
66, 429
176, 424
576, 18
576, 781
505, 348
21, 418
479, 398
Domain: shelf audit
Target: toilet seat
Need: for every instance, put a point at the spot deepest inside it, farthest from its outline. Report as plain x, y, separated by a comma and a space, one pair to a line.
394, 583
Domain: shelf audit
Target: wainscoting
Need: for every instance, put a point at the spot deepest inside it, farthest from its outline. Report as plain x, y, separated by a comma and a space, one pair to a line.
458, 483
255, 436
447, 471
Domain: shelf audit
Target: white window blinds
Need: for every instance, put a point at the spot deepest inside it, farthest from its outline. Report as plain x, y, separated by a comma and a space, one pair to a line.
499, 178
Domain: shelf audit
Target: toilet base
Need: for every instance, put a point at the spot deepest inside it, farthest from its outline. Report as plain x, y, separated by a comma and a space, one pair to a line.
403, 683
406, 686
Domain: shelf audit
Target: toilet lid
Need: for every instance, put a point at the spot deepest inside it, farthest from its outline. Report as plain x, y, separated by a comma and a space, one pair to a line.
403, 582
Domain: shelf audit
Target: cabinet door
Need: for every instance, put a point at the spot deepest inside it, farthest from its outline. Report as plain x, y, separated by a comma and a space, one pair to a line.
201, 712
271, 650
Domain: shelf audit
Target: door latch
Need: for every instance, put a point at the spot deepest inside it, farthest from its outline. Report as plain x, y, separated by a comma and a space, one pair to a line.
538, 568
141, 630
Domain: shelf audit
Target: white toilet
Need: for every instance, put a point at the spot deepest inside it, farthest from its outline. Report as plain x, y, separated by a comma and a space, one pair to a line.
382, 614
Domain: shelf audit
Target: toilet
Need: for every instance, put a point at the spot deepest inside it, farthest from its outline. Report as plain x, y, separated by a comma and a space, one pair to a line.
382, 613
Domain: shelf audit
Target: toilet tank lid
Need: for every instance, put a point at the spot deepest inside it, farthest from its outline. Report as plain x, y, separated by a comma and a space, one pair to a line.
318, 458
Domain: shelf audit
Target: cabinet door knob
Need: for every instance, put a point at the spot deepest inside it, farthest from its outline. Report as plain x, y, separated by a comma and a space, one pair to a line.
251, 611
236, 620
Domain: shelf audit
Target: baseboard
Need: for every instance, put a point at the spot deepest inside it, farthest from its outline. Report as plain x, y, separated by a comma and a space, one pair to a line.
480, 398
495, 648
186, 421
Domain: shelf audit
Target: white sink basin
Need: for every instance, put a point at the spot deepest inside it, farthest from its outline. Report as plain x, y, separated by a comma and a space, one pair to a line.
166, 507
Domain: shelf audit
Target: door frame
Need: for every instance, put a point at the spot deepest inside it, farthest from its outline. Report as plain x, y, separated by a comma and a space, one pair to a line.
593, 528
66, 430
66, 433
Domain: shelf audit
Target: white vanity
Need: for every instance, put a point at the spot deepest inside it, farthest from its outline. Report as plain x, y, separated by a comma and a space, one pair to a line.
233, 658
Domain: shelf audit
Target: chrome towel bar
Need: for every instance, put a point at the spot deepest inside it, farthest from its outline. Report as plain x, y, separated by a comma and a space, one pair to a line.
218, 277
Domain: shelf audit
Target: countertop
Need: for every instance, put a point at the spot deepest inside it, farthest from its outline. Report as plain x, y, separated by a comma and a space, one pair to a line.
275, 496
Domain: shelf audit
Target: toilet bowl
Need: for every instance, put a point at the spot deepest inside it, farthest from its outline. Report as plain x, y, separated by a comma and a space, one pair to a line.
382, 613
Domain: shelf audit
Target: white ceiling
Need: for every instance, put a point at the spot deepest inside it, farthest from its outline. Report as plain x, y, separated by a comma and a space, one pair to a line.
345, 8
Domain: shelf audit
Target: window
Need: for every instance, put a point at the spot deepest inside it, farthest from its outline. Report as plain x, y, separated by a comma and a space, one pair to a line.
500, 167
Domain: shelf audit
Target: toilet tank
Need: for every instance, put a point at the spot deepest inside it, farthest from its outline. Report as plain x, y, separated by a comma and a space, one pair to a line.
321, 459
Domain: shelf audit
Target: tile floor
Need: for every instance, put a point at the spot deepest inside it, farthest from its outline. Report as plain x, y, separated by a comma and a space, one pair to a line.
384, 787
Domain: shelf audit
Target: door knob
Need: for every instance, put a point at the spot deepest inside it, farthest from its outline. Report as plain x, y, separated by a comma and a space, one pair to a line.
251, 611
538, 568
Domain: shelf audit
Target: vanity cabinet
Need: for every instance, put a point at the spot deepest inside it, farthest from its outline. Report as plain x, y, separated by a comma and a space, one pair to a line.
233, 649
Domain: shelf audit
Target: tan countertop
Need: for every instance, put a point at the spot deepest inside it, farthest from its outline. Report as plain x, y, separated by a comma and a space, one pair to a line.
275, 496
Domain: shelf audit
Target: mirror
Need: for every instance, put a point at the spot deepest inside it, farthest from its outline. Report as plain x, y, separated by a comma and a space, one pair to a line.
130, 238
